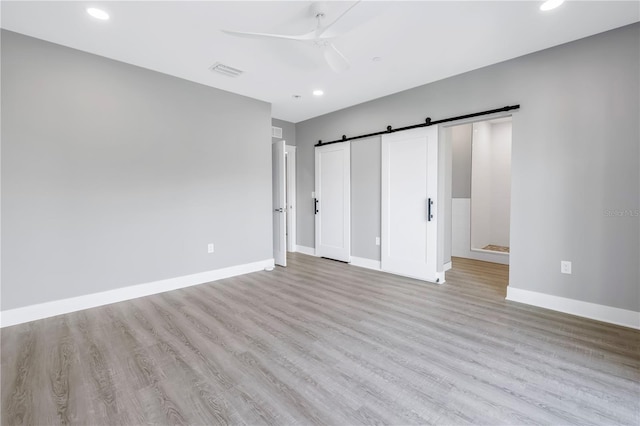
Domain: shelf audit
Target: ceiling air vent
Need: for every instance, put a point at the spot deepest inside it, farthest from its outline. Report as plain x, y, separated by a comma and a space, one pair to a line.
276, 132
225, 70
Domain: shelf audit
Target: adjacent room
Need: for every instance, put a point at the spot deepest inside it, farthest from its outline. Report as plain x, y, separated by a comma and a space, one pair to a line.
333, 213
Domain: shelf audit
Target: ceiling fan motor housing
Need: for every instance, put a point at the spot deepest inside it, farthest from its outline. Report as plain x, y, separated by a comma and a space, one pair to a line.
317, 9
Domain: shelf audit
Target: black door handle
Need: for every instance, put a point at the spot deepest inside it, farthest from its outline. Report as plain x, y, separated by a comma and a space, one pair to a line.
429, 204
315, 205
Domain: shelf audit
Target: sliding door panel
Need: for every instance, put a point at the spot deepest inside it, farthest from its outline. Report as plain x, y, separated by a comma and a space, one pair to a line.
333, 201
409, 196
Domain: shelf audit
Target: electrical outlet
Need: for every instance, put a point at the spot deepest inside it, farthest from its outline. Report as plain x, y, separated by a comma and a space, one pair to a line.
565, 267
210, 248
377, 241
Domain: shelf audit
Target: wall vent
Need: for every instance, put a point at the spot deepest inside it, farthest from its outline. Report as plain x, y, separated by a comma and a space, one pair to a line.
225, 70
276, 132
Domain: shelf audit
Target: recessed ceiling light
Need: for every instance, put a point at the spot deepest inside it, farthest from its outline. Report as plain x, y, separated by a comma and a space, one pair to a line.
98, 13
376, 59
551, 4
318, 92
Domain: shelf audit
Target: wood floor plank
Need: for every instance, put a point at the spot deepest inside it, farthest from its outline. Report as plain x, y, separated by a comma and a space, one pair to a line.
103, 383
323, 342
66, 385
17, 395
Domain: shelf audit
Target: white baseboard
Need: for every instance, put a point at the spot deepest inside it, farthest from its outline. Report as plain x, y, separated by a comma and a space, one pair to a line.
365, 263
447, 266
311, 251
58, 307
594, 311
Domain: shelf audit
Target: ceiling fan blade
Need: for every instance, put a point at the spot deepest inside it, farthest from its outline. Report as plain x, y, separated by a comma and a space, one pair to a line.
301, 37
335, 59
323, 29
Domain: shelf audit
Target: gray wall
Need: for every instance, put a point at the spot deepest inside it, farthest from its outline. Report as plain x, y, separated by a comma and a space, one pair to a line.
113, 175
575, 156
461, 169
288, 131
365, 197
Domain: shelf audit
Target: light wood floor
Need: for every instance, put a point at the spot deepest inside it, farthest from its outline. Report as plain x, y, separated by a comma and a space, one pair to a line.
322, 342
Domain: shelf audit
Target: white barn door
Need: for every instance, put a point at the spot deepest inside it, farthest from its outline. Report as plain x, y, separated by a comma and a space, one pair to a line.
409, 202
279, 203
333, 201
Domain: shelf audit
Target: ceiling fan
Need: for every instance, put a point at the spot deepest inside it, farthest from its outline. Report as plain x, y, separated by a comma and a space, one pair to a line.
318, 37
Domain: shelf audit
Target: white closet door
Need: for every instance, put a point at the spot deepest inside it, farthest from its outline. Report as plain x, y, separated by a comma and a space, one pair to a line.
333, 201
279, 203
409, 181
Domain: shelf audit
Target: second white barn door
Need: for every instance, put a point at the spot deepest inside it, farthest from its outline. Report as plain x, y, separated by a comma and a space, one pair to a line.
409, 202
332, 202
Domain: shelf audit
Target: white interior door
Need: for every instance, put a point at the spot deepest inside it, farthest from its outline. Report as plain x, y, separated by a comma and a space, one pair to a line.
409, 184
279, 203
333, 201
291, 197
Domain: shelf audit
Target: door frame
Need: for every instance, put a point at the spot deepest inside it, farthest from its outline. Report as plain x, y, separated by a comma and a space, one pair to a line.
290, 152
446, 174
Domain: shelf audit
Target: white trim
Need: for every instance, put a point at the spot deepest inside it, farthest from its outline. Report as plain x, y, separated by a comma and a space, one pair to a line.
447, 266
365, 263
64, 306
594, 311
487, 117
306, 250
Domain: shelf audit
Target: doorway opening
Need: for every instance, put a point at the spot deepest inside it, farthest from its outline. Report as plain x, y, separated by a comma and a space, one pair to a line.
491, 186
481, 189
479, 183
284, 200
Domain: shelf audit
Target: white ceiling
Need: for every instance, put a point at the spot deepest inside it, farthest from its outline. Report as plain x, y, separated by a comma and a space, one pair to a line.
419, 42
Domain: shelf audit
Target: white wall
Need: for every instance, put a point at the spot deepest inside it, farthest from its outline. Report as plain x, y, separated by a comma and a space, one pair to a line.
500, 183
481, 185
461, 232
490, 184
